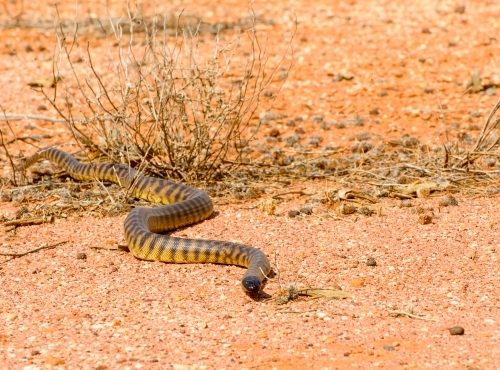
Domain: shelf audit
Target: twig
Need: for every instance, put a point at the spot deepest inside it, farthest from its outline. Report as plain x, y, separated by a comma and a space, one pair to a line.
20, 117
404, 313
33, 250
276, 196
297, 311
30, 221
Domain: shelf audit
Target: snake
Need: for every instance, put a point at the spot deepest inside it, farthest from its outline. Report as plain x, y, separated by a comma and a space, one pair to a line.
145, 226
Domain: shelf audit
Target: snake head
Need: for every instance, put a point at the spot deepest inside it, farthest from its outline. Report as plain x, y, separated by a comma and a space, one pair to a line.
251, 284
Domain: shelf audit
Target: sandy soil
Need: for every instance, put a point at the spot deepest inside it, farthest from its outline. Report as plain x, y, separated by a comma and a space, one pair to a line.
409, 63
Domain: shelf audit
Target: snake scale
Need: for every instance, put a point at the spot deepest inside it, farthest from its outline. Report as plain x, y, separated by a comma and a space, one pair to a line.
184, 205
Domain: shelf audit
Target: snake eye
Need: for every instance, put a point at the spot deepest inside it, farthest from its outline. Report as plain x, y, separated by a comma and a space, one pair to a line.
251, 284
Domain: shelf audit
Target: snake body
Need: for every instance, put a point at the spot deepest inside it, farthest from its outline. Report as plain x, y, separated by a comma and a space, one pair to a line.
184, 205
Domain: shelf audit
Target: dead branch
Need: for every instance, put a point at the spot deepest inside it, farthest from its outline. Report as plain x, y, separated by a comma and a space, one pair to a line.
33, 250
29, 221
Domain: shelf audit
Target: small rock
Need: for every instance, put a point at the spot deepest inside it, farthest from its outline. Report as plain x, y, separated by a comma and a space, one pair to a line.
293, 213
383, 93
274, 132
424, 219
448, 200
405, 203
371, 262
346, 209
81, 256
374, 112
456, 330
389, 348
460, 9
290, 123
365, 211
347, 354
490, 91
306, 211
428, 90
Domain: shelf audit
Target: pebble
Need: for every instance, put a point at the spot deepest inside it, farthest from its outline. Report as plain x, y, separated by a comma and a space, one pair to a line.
274, 132
81, 256
456, 330
490, 91
448, 200
424, 219
371, 262
306, 211
405, 203
389, 348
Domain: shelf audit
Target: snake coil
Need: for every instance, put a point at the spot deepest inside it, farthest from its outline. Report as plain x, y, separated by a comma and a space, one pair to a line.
184, 205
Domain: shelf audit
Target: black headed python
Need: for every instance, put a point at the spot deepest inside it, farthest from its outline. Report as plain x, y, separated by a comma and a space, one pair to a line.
184, 205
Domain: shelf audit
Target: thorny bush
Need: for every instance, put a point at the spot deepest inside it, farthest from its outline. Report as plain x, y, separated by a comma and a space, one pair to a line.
163, 105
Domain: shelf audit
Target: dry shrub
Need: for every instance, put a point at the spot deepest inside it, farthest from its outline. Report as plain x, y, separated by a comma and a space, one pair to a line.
181, 106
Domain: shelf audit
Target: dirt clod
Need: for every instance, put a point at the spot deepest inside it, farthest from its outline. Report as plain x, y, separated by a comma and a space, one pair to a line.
371, 262
424, 219
81, 256
456, 330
